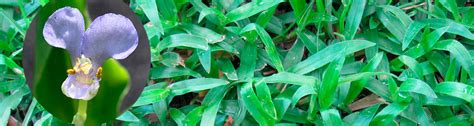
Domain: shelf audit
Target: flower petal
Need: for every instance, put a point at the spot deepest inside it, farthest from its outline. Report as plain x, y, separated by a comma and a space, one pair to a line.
65, 29
77, 90
109, 36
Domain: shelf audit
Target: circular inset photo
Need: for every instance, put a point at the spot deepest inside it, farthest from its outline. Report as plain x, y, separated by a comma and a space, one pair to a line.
86, 62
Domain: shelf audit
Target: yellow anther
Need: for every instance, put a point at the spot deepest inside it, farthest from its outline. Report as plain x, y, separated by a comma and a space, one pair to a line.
99, 72
71, 71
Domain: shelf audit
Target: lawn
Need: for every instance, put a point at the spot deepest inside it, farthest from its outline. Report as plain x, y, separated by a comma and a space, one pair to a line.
252, 62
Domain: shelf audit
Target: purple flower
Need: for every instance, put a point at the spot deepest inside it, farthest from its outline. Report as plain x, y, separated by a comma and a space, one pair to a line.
109, 36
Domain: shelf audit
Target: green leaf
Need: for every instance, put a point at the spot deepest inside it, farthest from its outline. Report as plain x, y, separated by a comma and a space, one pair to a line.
263, 93
44, 121
331, 117
301, 12
250, 9
330, 81
205, 59
453, 27
397, 12
128, 116
452, 7
322, 57
395, 20
9, 3
194, 116
462, 119
364, 117
264, 18
298, 7
383, 41
417, 86
388, 113
379, 88
361, 76
170, 72
296, 116
283, 100
254, 106
171, 59
184, 40
151, 11
311, 41
270, 46
9, 63
168, 10
300, 93
197, 84
358, 86
177, 116
12, 22
248, 60
412, 31
456, 89
342, 17
444, 100
430, 39
211, 36
294, 55
216, 17
460, 53
354, 18
11, 102
30, 112
151, 94
228, 69
289, 78
161, 110
212, 101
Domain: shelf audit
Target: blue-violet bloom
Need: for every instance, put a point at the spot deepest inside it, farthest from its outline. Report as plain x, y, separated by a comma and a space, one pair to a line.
109, 36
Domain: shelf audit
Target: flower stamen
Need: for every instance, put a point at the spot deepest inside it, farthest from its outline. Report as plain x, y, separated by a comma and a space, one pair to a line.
71, 71
83, 64
83, 69
99, 72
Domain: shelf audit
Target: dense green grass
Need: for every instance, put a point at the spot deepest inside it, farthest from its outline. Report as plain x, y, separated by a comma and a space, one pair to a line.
281, 62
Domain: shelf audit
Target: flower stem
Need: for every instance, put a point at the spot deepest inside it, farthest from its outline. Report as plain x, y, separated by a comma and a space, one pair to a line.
81, 115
